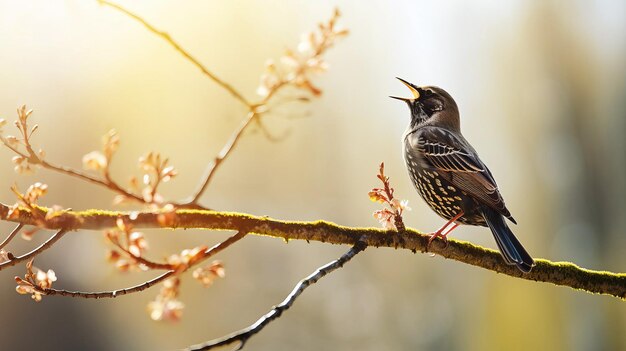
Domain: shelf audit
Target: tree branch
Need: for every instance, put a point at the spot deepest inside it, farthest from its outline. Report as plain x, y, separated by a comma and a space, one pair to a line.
108, 294
298, 78
46, 245
106, 182
559, 273
245, 334
143, 286
165, 36
224, 153
11, 236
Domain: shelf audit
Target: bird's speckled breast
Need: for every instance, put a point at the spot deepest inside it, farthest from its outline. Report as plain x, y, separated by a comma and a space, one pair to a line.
442, 197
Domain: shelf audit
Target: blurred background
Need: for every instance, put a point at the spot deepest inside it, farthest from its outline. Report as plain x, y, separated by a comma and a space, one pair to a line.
541, 86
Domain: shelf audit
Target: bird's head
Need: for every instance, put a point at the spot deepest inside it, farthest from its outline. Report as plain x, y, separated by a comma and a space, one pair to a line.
431, 106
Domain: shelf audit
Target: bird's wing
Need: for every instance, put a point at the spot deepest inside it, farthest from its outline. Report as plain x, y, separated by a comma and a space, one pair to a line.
460, 164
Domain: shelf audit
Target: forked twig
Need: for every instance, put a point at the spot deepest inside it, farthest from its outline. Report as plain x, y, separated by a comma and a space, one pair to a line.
143, 286
299, 78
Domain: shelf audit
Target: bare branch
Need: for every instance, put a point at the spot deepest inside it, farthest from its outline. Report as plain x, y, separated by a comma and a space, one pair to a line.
165, 36
242, 336
559, 273
11, 235
46, 245
107, 183
108, 294
143, 286
146, 262
223, 154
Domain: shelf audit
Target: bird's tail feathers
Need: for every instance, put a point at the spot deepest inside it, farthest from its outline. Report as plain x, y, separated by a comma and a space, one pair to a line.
511, 249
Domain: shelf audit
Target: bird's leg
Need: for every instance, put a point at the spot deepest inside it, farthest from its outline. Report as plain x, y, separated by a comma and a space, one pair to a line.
442, 232
444, 236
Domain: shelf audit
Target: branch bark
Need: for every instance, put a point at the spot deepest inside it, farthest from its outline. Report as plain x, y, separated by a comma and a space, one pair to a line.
558, 273
242, 336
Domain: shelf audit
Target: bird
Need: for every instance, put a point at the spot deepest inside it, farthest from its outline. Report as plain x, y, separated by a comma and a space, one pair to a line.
450, 176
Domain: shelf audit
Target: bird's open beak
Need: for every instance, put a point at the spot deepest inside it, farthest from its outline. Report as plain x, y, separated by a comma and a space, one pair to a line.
413, 88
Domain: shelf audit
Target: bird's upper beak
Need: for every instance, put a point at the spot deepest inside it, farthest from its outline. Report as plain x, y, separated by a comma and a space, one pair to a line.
413, 88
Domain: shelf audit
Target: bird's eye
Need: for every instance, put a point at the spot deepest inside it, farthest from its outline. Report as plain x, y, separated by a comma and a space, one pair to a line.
432, 105
424, 93
437, 106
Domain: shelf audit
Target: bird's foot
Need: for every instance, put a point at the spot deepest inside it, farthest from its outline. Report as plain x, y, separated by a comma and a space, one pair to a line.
438, 234
442, 233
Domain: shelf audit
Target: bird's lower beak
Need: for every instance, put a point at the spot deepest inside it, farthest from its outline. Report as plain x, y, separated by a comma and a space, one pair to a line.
413, 88
407, 100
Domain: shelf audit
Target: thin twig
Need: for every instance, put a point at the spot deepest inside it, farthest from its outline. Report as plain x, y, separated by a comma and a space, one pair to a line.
146, 262
223, 245
12, 148
268, 135
242, 336
46, 245
223, 154
165, 36
36, 160
107, 294
143, 286
256, 112
107, 183
11, 236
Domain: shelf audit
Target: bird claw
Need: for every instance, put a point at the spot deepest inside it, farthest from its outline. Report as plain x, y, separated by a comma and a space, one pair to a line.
444, 231
437, 234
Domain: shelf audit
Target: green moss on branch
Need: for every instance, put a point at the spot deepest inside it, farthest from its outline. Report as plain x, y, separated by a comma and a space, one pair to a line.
558, 273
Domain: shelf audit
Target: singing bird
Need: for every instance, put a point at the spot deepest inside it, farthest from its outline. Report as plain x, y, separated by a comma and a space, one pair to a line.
449, 175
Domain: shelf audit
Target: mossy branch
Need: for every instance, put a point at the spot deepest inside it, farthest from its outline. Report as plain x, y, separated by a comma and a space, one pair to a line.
558, 273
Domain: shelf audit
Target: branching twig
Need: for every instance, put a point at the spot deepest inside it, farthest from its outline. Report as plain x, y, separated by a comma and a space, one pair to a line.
30, 157
300, 67
390, 218
46, 245
559, 273
143, 286
242, 336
